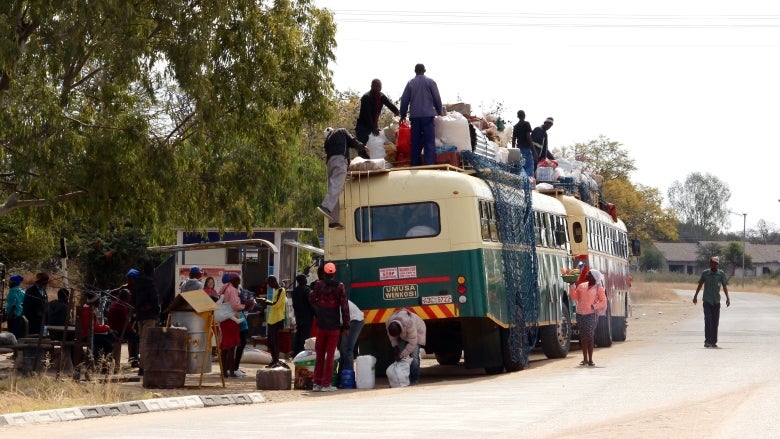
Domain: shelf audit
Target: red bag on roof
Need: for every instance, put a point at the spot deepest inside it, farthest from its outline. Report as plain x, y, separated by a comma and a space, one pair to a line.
404, 138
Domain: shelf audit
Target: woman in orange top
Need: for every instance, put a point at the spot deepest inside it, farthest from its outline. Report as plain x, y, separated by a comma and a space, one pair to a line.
591, 299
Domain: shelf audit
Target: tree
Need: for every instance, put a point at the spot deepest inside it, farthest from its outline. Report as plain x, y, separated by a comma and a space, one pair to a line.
732, 257
705, 252
764, 230
162, 113
701, 201
603, 157
651, 258
640, 208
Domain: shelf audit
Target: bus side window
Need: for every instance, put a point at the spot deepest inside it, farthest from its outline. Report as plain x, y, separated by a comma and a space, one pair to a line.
577, 231
484, 220
493, 223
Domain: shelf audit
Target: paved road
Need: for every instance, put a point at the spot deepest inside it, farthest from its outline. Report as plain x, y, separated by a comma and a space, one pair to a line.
667, 385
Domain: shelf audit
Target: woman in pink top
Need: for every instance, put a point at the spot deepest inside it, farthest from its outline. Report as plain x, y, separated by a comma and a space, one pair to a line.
229, 328
591, 299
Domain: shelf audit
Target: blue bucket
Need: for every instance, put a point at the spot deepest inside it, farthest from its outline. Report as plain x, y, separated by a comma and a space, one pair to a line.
347, 379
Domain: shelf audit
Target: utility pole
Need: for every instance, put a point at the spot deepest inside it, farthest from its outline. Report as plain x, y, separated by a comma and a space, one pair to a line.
744, 240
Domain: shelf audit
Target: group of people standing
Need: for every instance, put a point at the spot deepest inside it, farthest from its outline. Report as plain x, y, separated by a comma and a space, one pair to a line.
420, 101
533, 144
339, 322
30, 312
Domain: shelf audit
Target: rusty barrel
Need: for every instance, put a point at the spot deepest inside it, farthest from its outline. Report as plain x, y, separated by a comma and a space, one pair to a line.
165, 357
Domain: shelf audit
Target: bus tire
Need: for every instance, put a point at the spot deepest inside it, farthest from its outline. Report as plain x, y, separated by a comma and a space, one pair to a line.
603, 338
556, 339
511, 364
448, 358
619, 328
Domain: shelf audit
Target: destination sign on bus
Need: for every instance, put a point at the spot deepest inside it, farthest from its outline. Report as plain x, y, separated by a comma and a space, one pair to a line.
395, 292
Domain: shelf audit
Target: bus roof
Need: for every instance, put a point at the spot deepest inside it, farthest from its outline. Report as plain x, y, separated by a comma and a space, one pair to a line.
576, 207
397, 186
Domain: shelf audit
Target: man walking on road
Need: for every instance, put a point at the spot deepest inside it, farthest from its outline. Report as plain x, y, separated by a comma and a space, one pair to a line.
712, 279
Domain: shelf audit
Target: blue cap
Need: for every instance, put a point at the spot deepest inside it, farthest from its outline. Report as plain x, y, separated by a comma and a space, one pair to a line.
132, 273
225, 278
16, 278
194, 269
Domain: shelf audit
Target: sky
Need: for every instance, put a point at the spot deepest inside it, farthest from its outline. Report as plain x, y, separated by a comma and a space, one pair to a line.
684, 86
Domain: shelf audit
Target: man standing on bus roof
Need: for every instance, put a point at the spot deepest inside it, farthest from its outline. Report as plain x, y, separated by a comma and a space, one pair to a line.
521, 138
337, 144
422, 101
370, 106
712, 279
539, 137
406, 331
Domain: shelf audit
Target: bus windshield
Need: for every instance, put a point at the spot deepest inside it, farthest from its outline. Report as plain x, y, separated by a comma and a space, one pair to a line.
397, 221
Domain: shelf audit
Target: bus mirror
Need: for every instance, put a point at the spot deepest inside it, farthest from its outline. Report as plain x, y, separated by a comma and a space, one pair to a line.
636, 250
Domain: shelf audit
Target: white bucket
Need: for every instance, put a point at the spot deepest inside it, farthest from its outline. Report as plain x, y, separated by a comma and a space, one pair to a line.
365, 371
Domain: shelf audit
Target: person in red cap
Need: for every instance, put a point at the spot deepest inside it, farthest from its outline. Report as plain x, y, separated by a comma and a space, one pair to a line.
329, 300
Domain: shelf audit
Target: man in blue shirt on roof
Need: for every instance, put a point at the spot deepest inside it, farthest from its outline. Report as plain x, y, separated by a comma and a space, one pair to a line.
422, 101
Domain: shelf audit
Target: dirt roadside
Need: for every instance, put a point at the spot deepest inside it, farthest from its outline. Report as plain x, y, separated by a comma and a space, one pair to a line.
648, 321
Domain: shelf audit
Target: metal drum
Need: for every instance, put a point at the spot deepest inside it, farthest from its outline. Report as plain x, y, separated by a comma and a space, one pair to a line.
165, 357
197, 334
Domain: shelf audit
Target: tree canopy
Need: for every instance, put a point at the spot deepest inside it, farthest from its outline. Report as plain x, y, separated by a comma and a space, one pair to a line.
638, 206
701, 201
162, 113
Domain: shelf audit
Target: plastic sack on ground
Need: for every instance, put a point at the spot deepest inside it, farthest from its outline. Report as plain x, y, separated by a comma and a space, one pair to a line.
256, 356
398, 372
453, 129
376, 146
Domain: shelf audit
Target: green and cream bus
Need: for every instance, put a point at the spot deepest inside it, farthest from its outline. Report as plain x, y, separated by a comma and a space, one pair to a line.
429, 239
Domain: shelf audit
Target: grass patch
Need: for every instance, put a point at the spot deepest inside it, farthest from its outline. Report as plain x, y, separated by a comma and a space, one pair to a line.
44, 391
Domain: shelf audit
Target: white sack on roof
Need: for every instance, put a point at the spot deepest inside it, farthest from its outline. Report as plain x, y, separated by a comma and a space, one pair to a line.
453, 129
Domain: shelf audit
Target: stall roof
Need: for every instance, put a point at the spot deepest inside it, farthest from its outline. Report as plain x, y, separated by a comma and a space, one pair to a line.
255, 242
311, 248
196, 300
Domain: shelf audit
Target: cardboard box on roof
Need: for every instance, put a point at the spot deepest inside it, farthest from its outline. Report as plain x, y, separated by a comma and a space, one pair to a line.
197, 301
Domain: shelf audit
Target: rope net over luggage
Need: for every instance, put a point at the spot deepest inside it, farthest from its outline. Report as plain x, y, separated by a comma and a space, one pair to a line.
515, 220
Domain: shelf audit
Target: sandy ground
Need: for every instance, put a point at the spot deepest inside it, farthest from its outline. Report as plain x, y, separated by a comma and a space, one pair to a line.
648, 321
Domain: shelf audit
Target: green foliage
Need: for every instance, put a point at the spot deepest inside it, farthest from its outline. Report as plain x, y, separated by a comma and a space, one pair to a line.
163, 113
104, 259
651, 258
732, 257
603, 157
705, 252
701, 201
24, 247
640, 208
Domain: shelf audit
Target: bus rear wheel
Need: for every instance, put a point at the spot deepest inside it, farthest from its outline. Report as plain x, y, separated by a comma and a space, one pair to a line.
448, 358
619, 328
556, 339
603, 336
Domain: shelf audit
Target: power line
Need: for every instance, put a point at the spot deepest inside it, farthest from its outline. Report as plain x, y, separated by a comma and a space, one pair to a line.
661, 21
